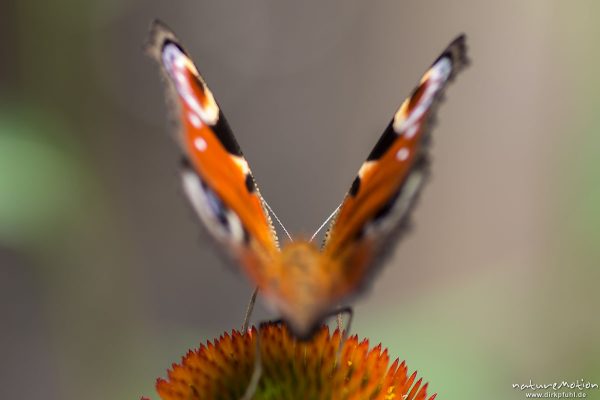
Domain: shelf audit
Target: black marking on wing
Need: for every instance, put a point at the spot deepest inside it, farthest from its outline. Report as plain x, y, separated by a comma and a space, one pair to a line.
360, 233
446, 54
387, 207
186, 164
225, 136
355, 187
167, 42
250, 184
384, 143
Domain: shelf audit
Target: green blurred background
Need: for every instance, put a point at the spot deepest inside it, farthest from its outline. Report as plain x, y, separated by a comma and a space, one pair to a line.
105, 278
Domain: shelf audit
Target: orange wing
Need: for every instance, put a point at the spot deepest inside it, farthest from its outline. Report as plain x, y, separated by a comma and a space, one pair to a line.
377, 205
215, 174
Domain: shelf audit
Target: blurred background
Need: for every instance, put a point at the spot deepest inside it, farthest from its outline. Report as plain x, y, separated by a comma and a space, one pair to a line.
105, 278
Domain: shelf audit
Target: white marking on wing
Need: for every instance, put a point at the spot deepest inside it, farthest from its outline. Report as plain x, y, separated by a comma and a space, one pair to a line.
177, 65
201, 203
242, 164
200, 144
195, 120
436, 77
402, 154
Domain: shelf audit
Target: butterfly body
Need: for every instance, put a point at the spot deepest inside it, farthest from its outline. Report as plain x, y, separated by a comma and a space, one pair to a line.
302, 285
301, 280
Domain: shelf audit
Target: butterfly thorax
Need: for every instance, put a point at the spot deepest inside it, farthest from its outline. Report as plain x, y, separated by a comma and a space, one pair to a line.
302, 285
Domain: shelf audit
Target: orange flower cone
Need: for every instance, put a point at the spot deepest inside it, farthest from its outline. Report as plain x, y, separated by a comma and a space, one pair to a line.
291, 369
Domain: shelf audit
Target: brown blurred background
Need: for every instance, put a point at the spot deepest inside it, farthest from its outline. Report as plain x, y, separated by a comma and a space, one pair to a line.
105, 278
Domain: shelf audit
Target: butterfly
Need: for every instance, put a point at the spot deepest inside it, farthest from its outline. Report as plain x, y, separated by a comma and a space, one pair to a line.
300, 280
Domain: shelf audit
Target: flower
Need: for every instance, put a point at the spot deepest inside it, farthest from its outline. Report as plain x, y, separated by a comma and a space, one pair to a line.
291, 369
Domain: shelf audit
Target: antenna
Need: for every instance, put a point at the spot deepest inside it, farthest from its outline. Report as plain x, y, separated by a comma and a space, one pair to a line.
277, 219
325, 223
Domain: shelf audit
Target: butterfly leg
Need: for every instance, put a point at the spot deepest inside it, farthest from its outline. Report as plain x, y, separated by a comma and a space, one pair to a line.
249, 310
257, 373
344, 310
340, 312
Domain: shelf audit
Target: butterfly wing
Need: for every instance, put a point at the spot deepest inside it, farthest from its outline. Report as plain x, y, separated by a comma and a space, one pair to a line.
215, 175
376, 207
